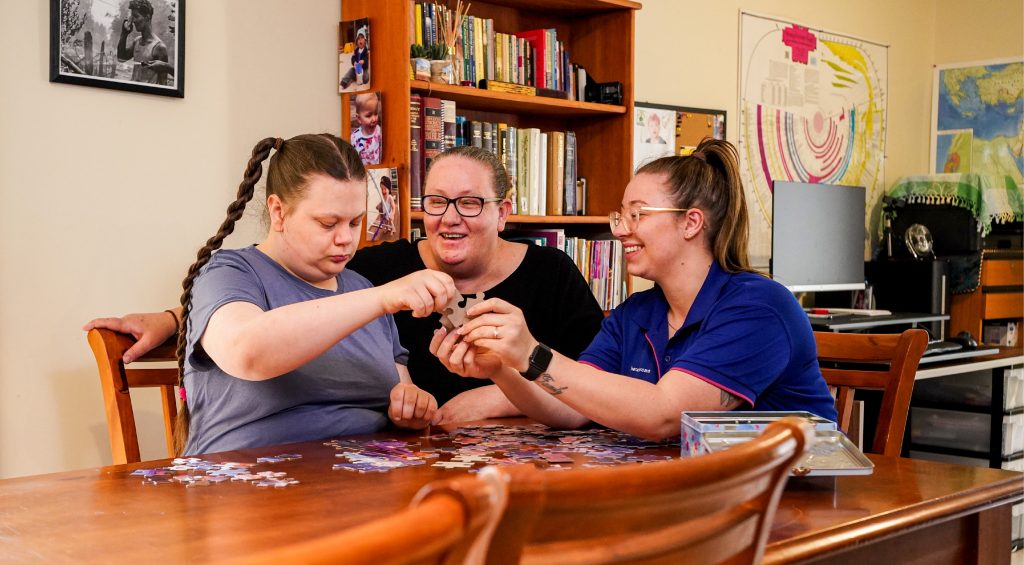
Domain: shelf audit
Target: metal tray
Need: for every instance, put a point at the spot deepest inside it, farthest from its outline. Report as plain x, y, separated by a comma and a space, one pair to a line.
832, 454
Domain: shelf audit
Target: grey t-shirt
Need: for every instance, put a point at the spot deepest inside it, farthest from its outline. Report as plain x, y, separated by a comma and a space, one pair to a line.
343, 391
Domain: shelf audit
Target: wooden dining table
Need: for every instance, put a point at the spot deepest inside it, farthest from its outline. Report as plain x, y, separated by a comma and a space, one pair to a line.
906, 511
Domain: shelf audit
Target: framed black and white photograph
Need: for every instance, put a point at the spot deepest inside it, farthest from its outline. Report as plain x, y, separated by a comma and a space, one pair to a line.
136, 45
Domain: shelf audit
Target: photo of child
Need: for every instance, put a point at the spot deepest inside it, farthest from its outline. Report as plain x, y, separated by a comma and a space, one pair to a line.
366, 137
653, 134
382, 218
354, 56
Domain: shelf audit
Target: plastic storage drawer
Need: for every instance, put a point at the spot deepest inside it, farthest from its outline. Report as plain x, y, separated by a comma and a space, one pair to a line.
972, 389
950, 428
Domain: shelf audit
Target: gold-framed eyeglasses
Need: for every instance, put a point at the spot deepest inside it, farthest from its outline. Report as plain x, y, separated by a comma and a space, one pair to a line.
466, 206
632, 217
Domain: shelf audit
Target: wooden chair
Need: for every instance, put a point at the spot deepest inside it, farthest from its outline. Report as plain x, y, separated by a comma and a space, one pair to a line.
886, 362
447, 522
715, 508
116, 380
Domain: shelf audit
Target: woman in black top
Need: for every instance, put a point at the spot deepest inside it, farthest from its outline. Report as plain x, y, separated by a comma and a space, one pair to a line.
466, 206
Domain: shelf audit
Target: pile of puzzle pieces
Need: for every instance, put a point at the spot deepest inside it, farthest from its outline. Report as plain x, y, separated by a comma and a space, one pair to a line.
476, 446
195, 472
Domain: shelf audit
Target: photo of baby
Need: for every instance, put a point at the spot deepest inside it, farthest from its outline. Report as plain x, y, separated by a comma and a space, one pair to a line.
365, 110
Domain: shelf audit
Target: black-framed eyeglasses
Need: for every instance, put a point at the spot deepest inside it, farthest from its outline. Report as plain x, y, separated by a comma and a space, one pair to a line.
466, 206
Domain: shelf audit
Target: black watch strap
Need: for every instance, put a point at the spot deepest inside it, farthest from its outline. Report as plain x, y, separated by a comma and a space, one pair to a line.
540, 358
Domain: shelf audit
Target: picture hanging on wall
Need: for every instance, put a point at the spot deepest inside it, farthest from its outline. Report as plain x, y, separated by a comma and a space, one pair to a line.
382, 214
976, 119
812, 108
135, 45
354, 55
365, 116
660, 130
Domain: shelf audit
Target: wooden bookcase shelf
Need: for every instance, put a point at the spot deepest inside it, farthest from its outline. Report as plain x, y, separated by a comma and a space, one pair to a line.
599, 35
519, 219
469, 98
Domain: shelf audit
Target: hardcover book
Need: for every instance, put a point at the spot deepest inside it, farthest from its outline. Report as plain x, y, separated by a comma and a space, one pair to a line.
415, 152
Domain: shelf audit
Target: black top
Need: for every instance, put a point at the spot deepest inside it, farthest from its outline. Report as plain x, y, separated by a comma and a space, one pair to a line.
559, 308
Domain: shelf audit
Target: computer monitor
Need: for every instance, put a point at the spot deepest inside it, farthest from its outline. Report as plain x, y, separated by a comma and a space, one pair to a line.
817, 236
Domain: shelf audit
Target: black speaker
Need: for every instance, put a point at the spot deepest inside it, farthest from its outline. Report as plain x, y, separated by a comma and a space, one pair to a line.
954, 230
912, 286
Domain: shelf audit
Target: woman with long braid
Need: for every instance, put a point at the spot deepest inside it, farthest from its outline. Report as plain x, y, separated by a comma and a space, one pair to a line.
711, 335
281, 342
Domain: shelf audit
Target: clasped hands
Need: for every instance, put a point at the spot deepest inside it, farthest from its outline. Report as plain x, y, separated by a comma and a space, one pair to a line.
495, 336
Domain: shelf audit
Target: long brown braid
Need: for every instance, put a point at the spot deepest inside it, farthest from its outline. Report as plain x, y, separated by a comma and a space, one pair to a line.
294, 160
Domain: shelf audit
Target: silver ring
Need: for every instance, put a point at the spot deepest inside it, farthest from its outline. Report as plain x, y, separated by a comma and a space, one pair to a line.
495, 332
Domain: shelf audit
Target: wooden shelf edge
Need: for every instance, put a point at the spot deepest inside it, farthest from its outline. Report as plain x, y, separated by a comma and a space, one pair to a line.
519, 219
570, 7
477, 99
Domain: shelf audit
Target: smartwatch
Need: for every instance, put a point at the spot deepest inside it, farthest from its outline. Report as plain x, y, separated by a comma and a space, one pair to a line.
540, 358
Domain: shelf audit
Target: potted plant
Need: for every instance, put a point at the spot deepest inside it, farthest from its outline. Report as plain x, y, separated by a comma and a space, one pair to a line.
441, 69
420, 60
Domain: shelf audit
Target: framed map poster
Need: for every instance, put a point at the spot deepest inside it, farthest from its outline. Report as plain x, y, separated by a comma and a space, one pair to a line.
978, 118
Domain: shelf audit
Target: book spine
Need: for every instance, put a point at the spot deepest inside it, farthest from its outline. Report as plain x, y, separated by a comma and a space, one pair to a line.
477, 135
448, 118
479, 51
498, 86
569, 180
460, 130
541, 156
524, 171
471, 44
487, 136
415, 152
513, 166
418, 18
433, 130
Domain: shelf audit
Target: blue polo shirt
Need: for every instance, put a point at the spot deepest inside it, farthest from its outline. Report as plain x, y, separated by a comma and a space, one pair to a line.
745, 334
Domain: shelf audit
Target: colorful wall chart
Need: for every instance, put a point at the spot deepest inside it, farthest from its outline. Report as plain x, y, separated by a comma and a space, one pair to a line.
812, 109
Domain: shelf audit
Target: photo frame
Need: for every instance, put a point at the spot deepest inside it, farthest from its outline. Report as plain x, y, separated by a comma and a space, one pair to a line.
366, 118
354, 55
133, 45
383, 213
654, 135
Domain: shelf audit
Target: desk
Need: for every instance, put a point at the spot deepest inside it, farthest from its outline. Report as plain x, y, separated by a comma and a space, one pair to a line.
907, 508
847, 323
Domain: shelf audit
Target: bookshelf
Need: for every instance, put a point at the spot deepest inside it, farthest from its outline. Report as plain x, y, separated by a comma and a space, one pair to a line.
599, 35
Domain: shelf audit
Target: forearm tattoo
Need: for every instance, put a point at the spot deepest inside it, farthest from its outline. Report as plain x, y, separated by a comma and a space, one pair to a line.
726, 398
548, 382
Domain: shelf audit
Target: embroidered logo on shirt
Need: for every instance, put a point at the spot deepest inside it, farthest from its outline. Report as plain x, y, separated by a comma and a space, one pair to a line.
640, 370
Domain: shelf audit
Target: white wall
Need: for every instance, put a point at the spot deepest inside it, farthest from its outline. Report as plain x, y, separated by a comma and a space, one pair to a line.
105, 195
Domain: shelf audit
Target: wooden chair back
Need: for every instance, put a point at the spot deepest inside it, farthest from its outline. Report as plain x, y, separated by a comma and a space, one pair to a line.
447, 522
116, 381
886, 362
715, 508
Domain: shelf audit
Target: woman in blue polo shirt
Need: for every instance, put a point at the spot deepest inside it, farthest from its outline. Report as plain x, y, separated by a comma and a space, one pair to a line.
711, 335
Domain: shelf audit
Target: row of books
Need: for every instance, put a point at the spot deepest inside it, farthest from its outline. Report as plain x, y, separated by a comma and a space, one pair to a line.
533, 57
600, 261
542, 166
